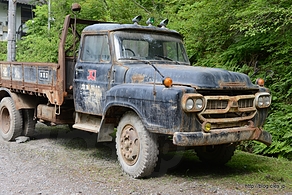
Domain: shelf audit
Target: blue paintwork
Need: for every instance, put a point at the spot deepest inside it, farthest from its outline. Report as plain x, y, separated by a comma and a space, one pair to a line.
136, 85
199, 77
158, 107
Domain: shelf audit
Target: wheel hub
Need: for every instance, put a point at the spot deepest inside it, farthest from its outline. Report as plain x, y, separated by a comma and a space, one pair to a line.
130, 145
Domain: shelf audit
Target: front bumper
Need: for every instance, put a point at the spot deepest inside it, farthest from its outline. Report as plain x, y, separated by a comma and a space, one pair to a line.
222, 136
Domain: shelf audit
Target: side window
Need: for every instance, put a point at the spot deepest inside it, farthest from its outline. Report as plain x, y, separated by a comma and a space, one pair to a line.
95, 48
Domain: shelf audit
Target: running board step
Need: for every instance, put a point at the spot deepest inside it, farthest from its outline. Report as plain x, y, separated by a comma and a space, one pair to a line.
87, 122
87, 127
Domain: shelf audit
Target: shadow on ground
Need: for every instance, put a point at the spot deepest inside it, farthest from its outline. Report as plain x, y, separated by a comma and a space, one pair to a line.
179, 163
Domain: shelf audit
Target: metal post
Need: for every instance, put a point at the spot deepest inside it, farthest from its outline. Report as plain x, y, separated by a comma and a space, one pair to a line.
49, 15
11, 44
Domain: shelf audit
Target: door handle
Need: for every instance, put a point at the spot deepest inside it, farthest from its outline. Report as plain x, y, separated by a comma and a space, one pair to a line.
79, 69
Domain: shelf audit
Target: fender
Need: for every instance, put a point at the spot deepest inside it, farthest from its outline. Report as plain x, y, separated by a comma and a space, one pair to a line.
147, 100
21, 101
4, 92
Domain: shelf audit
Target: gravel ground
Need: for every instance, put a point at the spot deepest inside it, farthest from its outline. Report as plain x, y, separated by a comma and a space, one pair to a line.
59, 161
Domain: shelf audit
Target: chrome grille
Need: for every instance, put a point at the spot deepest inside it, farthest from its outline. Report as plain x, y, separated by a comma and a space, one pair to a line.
228, 111
245, 103
217, 104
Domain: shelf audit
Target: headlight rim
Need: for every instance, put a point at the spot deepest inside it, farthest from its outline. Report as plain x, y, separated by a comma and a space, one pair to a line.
261, 100
194, 98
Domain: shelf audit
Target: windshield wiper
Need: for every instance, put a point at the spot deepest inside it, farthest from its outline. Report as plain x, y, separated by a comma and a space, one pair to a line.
166, 58
146, 62
156, 69
163, 57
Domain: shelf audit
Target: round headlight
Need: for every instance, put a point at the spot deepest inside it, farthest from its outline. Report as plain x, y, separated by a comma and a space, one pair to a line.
266, 100
189, 104
261, 101
198, 104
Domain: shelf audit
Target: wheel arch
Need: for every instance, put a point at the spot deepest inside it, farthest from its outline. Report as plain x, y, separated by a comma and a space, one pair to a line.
118, 110
111, 117
4, 92
21, 101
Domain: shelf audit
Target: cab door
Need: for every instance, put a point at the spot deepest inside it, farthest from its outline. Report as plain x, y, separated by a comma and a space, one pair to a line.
92, 70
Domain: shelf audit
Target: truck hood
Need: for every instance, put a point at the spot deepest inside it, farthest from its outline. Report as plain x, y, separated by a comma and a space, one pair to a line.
197, 77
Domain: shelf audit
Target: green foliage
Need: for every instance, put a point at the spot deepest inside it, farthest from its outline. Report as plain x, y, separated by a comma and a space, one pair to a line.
40, 45
205, 26
3, 50
249, 37
264, 16
279, 123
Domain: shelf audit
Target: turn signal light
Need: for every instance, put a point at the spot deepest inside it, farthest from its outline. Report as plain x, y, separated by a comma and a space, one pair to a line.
167, 82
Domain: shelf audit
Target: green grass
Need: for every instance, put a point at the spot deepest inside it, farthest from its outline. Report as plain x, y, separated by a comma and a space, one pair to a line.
255, 172
245, 172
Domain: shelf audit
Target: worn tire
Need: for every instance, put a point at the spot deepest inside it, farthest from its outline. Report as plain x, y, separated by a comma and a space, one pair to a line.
217, 154
137, 148
28, 122
10, 120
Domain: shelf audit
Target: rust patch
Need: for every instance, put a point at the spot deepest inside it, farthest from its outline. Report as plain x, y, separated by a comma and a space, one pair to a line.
138, 78
232, 84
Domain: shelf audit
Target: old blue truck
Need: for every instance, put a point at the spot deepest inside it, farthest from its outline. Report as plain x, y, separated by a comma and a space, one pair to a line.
136, 82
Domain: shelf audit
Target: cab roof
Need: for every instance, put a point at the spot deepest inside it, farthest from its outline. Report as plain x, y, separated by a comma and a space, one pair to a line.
95, 28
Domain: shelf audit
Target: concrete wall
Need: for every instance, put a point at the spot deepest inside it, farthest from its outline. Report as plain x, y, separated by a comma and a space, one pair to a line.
4, 20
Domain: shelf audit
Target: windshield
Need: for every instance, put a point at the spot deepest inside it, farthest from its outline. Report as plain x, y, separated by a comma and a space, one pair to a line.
141, 46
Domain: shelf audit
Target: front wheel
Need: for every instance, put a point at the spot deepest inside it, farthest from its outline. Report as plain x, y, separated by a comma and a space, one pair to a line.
137, 148
217, 154
10, 120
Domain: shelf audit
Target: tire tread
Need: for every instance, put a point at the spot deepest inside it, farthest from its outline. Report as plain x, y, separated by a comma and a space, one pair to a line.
16, 119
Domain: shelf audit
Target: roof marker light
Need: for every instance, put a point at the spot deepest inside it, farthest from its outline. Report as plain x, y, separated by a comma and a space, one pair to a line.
137, 19
150, 21
163, 23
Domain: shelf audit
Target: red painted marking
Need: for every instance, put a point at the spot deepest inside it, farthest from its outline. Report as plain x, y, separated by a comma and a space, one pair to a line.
92, 75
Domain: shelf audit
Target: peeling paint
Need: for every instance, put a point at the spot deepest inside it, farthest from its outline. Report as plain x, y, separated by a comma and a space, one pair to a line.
139, 78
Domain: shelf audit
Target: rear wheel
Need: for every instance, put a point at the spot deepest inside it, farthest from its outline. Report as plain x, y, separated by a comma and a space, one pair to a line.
137, 148
28, 122
217, 154
10, 120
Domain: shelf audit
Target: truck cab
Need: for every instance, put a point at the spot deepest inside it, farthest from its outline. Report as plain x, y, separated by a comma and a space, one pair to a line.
139, 79
115, 54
